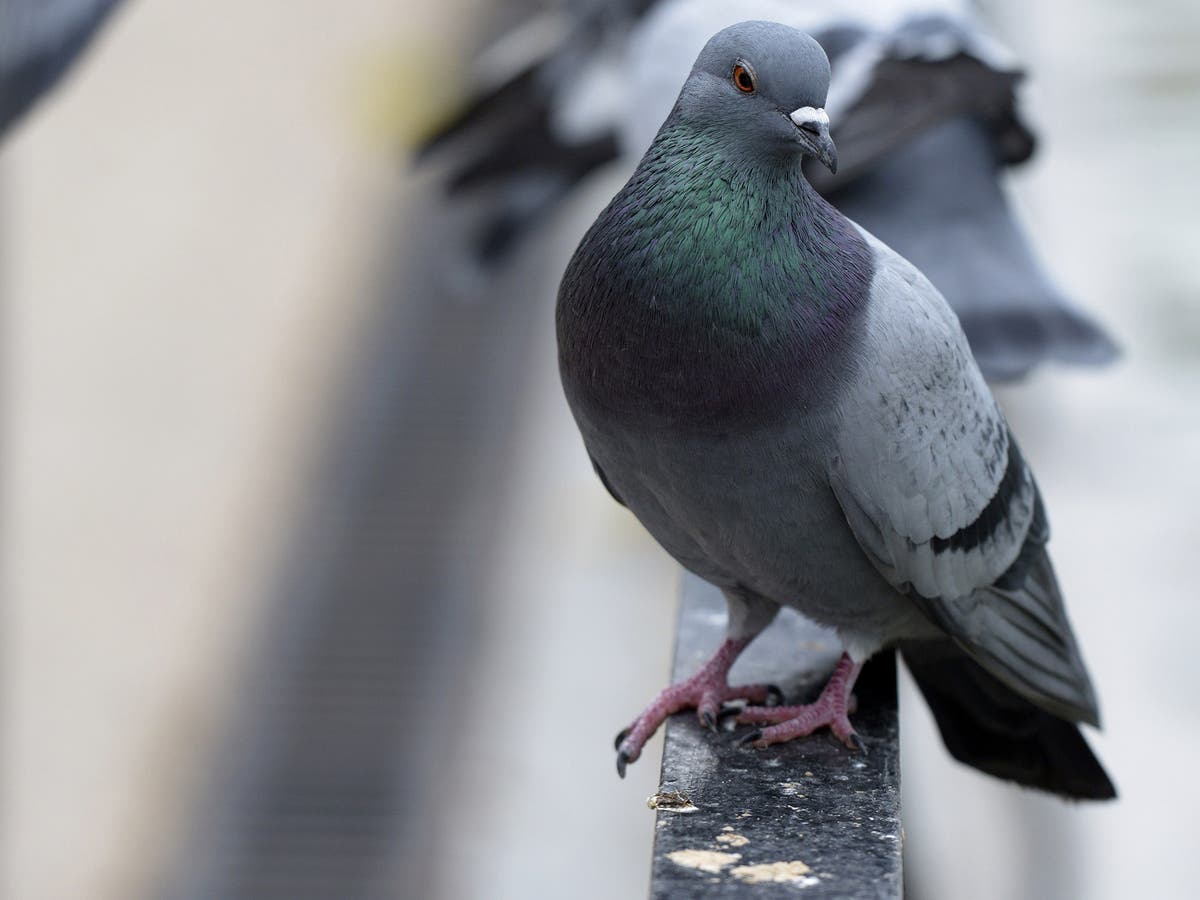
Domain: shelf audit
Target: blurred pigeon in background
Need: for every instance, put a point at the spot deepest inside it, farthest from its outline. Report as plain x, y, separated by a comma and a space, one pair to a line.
922, 105
39, 41
791, 409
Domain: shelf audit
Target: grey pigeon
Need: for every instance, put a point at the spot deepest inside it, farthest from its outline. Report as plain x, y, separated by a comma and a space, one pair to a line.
792, 411
39, 41
923, 106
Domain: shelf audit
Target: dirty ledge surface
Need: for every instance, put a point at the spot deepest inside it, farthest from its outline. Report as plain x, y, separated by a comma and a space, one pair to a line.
807, 817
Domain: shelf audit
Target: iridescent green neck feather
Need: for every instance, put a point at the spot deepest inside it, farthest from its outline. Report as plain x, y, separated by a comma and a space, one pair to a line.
715, 281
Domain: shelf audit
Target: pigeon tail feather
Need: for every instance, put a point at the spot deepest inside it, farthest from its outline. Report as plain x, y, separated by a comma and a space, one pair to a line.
988, 726
1008, 343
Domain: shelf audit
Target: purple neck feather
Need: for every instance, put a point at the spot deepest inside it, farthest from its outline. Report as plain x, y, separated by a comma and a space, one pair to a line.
709, 293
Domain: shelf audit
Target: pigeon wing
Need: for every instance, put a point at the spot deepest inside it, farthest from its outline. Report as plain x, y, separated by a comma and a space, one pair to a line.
940, 499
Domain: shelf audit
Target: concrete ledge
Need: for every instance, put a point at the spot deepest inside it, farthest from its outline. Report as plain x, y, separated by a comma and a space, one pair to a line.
806, 817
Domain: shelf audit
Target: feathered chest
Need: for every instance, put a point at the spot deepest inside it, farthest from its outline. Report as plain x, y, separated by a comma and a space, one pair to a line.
708, 302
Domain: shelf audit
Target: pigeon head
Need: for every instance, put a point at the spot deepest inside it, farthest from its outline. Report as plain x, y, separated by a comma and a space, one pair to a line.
763, 86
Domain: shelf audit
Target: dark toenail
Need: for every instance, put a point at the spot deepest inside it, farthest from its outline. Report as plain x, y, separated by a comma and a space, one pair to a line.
622, 761
750, 738
624, 733
708, 720
728, 711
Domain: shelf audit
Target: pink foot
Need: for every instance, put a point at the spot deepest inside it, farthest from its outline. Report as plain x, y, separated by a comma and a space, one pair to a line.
832, 708
706, 691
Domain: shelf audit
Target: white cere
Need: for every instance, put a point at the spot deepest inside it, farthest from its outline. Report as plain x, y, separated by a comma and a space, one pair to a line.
806, 115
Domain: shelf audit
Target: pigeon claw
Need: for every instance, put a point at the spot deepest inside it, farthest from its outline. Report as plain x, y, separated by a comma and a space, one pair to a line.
621, 735
622, 762
830, 710
704, 692
728, 711
750, 739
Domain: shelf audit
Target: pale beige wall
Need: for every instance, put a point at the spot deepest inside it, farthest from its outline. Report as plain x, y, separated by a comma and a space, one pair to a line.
189, 225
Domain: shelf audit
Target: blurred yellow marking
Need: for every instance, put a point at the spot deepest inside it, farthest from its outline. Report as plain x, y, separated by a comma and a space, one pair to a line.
404, 94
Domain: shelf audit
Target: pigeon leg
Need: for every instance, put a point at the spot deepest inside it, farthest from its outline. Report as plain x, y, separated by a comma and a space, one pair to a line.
706, 691
832, 708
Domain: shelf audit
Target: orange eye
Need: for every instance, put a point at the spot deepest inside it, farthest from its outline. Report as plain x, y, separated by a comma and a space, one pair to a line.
742, 79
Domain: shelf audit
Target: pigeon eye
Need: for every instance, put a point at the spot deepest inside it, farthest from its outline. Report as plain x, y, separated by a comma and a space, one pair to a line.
742, 79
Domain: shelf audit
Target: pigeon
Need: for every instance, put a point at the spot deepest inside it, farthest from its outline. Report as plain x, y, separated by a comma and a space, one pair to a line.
792, 411
923, 106
39, 41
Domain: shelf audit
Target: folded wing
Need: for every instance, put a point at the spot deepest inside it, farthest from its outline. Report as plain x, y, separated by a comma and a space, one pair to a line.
940, 499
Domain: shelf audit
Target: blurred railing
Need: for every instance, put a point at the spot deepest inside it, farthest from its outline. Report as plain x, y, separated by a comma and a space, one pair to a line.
322, 788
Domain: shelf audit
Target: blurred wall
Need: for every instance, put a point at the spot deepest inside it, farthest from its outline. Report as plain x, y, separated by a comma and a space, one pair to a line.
190, 227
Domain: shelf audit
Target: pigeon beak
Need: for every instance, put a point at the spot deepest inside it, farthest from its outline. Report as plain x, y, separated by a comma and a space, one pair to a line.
813, 126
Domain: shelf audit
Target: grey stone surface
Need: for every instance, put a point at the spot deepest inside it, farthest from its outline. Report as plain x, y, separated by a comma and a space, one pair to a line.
808, 816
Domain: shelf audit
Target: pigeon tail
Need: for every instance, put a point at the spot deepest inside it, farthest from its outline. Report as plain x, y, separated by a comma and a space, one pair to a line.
991, 728
1008, 343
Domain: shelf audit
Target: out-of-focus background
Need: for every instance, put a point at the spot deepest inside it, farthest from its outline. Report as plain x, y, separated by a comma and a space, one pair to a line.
309, 589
